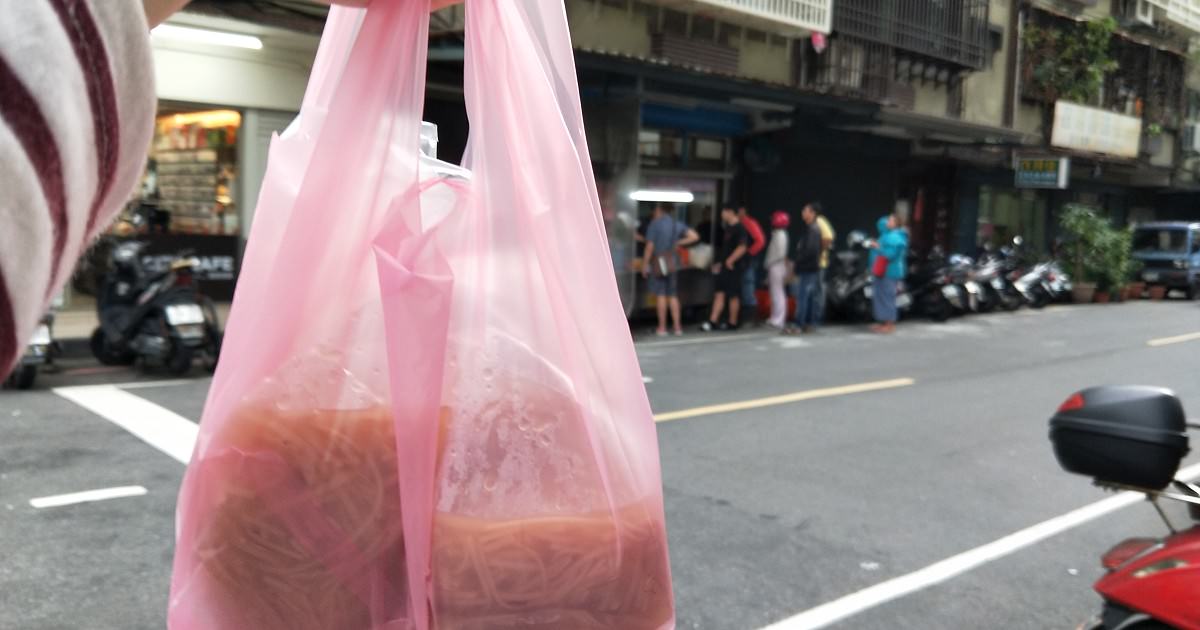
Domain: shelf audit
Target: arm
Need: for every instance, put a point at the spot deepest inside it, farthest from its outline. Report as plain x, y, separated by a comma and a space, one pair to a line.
689, 238
891, 246
826, 234
646, 257
736, 256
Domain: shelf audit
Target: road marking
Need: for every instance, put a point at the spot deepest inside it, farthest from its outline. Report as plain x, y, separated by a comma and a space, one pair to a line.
103, 494
157, 426
772, 401
647, 379
790, 343
895, 588
702, 338
151, 384
1166, 341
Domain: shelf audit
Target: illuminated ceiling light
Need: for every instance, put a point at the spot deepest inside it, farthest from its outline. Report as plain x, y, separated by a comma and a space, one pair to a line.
205, 36
664, 196
208, 119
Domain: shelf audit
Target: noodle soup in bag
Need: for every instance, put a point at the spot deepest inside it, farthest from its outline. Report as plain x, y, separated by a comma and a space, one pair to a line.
303, 528
524, 535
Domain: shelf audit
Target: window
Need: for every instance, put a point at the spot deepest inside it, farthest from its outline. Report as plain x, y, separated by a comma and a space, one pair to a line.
1160, 240
729, 35
708, 150
704, 28
660, 148
674, 22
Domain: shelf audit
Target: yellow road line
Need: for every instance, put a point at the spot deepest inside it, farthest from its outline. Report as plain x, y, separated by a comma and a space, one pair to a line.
785, 399
1166, 341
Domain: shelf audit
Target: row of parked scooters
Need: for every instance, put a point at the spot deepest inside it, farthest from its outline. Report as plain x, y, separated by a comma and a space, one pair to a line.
942, 286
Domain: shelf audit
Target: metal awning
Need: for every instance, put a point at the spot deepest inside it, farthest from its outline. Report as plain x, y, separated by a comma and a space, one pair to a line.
913, 126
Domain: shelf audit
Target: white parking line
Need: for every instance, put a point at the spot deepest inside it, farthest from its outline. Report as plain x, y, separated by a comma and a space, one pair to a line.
704, 338
157, 426
87, 496
785, 399
153, 384
895, 588
1166, 341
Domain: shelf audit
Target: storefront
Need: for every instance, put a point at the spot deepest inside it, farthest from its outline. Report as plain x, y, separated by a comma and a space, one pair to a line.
219, 107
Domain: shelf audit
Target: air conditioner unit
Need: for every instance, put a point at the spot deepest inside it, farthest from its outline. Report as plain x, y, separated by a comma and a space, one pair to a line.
1191, 138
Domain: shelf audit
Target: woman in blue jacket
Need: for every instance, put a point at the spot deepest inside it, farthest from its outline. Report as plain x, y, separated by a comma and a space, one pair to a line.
893, 246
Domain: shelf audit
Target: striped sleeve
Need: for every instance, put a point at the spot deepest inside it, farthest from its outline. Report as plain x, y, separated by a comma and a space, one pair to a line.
76, 116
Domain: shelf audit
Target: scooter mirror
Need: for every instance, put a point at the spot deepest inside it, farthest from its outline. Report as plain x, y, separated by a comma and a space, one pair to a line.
1127, 435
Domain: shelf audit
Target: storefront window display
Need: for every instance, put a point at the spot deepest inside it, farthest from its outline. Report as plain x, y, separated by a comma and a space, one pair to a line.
1005, 213
192, 174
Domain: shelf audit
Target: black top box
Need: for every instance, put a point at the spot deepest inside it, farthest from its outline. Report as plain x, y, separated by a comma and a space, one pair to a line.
1130, 435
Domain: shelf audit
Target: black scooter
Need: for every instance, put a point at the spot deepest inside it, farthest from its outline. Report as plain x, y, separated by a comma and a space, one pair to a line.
850, 283
159, 318
934, 293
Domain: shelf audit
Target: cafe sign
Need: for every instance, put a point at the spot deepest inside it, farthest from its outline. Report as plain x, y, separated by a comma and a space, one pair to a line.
1043, 172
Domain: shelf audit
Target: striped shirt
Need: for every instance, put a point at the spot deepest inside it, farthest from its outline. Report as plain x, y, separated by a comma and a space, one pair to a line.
76, 116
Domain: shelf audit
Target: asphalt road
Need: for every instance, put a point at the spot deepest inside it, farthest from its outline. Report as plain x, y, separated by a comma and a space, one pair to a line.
892, 455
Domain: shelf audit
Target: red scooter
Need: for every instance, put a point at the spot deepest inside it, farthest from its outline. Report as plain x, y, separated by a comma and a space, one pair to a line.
1133, 438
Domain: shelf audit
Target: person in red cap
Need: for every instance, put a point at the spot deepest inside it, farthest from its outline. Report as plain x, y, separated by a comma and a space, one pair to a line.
777, 268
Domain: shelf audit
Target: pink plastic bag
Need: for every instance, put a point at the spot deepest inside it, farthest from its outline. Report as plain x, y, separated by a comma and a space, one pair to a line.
429, 413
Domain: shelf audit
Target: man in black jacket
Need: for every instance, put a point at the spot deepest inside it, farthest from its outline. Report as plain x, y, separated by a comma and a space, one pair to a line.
807, 260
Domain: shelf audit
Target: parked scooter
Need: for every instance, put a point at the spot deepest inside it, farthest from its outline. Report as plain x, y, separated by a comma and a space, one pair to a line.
933, 291
850, 283
158, 318
1133, 438
962, 272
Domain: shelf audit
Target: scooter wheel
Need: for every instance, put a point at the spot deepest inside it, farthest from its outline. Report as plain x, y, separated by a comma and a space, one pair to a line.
25, 376
212, 352
179, 362
104, 352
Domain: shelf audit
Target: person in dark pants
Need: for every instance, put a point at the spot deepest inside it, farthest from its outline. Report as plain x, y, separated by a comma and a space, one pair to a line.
827, 236
728, 270
758, 242
807, 262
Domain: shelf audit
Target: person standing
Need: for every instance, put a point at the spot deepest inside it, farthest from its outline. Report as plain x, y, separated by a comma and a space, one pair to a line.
887, 267
808, 271
660, 264
728, 270
777, 268
827, 236
758, 242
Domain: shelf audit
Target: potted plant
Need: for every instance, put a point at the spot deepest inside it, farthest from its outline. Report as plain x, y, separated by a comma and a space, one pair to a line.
1134, 290
1118, 265
1158, 292
1152, 140
1086, 233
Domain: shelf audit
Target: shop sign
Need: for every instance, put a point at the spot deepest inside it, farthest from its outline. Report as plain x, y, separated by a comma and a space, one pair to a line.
1094, 130
1043, 172
216, 255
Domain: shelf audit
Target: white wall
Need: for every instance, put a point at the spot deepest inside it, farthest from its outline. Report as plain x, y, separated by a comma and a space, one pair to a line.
271, 78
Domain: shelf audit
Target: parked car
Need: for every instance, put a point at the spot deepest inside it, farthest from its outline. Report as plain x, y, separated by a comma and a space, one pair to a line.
1170, 255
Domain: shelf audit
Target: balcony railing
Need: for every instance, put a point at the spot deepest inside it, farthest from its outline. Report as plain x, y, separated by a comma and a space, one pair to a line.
954, 32
785, 17
1182, 13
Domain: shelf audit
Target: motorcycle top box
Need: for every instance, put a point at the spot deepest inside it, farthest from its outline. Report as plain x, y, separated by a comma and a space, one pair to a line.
1127, 435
